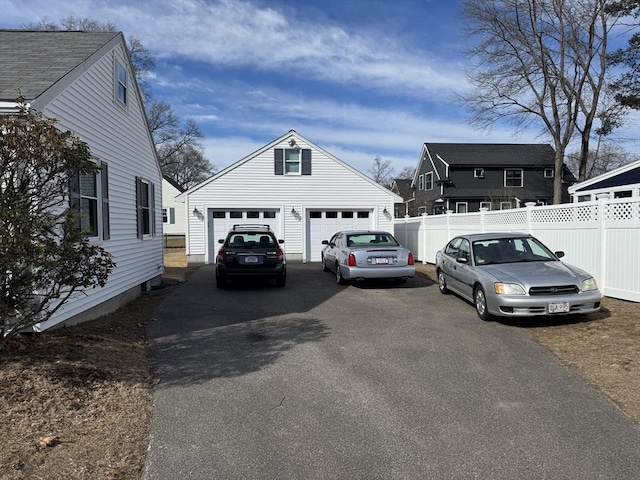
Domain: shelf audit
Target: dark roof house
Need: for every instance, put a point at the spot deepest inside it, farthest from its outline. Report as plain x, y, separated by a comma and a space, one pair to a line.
464, 177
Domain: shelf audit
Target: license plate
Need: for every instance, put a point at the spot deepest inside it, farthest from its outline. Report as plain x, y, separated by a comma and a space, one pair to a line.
559, 307
250, 259
382, 260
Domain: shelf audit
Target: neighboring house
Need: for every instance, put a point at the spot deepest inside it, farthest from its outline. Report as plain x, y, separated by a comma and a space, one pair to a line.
464, 177
411, 198
174, 223
85, 80
302, 191
623, 182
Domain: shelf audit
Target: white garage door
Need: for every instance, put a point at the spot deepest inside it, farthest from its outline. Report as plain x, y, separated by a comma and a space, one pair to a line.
223, 220
322, 224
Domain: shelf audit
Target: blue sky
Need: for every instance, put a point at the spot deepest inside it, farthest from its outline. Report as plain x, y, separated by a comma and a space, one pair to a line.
360, 78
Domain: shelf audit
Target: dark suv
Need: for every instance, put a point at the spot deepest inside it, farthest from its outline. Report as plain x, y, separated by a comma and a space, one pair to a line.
250, 251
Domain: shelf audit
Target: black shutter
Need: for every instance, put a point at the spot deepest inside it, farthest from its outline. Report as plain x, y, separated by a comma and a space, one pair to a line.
152, 208
172, 215
139, 217
104, 180
306, 161
278, 161
74, 196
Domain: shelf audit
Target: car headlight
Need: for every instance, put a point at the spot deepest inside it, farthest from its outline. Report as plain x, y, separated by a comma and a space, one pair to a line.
508, 289
589, 284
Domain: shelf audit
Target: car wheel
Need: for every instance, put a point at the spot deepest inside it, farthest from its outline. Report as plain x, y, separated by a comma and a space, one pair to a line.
281, 281
324, 265
339, 279
480, 301
442, 283
221, 282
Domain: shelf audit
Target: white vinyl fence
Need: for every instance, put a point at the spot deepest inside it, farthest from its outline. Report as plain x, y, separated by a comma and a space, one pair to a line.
601, 237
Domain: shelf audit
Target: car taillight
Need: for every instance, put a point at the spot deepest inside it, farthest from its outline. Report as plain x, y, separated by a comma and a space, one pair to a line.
410, 260
351, 261
222, 256
280, 254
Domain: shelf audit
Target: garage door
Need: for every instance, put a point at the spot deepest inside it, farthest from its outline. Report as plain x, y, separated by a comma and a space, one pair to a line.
322, 224
223, 220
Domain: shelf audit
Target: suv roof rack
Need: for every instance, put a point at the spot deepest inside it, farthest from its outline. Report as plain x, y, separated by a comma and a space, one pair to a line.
250, 226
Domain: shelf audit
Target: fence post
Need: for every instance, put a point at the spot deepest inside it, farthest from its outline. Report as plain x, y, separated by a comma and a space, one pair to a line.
602, 238
483, 211
449, 212
530, 206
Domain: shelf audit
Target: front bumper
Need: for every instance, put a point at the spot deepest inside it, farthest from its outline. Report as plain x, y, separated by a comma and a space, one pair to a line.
529, 306
366, 273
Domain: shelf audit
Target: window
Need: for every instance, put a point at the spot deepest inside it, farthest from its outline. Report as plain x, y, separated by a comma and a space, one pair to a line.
145, 207
331, 215
269, 214
584, 198
169, 215
121, 83
505, 205
347, 214
219, 214
89, 195
622, 194
513, 177
461, 207
363, 214
478, 172
428, 181
421, 182
548, 173
235, 214
486, 205
253, 214
315, 214
292, 161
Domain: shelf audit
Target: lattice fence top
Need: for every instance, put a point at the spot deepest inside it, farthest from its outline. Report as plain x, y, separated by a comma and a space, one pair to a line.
506, 217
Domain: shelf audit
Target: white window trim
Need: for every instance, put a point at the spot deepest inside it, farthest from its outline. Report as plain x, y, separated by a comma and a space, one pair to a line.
478, 173
284, 160
549, 173
426, 182
421, 182
521, 178
486, 205
509, 204
116, 84
466, 207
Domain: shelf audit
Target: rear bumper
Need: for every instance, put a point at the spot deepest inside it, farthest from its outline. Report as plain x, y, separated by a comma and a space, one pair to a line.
224, 271
365, 273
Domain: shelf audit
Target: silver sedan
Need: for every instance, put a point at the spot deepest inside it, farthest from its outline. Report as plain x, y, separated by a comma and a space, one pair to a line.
514, 275
360, 255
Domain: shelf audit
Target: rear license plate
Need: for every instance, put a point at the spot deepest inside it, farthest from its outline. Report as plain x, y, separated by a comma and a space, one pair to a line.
559, 307
250, 259
381, 261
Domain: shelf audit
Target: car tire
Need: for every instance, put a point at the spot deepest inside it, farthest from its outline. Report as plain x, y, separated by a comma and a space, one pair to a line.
281, 281
221, 282
442, 283
324, 265
339, 278
480, 301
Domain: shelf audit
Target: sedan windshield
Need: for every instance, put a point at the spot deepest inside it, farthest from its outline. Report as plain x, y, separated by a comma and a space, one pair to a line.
371, 238
510, 250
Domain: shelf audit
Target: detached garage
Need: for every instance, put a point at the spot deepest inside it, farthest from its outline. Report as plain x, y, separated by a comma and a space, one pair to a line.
301, 191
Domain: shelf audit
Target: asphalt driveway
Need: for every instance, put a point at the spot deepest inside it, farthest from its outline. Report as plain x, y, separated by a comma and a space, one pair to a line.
381, 381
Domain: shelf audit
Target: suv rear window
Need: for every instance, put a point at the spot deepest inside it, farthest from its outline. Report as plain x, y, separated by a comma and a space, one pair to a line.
251, 240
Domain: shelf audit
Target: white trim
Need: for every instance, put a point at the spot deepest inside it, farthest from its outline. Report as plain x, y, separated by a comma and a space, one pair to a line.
425, 180
605, 176
466, 207
478, 173
521, 178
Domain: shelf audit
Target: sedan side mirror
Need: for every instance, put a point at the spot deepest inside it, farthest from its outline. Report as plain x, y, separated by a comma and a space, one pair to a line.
325, 242
462, 260
221, 240
559, 254
281, 241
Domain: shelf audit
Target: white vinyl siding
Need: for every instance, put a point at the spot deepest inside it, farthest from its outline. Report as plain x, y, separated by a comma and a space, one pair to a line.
324, 189
121, 138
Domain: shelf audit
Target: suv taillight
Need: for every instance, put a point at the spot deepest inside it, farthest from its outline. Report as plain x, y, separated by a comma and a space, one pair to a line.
410, 260
351, 261
280, 254
222, 255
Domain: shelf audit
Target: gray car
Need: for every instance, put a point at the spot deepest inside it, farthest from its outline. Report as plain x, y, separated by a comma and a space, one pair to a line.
514, 275
361, 255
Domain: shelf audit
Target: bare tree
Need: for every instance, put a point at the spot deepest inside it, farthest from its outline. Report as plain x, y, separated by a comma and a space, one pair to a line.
381, 171
407, 173
606, 157
539, 62
45, 259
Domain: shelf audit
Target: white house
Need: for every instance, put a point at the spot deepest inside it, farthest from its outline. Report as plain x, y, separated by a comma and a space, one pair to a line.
302, 191
623, 182
173, 214
85, 80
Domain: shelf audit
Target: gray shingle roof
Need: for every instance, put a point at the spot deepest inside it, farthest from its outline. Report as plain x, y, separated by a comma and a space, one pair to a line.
34, 61
487, 154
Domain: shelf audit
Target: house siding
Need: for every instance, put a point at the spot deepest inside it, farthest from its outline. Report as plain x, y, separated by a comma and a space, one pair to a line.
121, 138
169, 194
332, 185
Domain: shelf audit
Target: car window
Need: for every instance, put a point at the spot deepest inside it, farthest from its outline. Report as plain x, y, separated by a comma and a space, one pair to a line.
465, 249
453, 247
381, 239
252, 240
